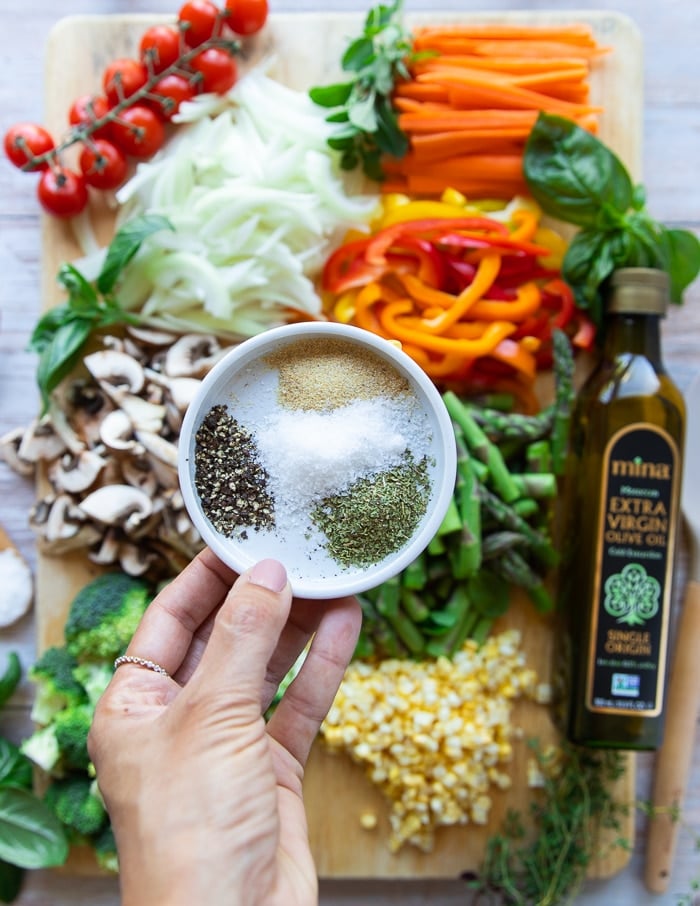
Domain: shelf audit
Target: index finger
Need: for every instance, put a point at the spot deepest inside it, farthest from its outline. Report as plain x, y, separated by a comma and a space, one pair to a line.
174, 616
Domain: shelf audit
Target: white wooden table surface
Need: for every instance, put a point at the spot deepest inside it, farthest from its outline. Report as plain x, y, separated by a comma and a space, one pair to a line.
671, 35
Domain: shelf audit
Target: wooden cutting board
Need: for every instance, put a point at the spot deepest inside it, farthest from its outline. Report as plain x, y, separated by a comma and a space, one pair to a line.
304, 49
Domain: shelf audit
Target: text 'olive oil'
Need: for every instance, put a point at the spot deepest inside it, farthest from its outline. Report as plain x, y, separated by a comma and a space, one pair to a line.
622, 516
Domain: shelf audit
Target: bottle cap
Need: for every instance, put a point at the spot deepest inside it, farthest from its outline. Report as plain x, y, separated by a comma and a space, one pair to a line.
639, 290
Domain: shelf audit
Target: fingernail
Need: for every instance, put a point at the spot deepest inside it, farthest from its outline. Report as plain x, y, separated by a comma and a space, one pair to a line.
268, 574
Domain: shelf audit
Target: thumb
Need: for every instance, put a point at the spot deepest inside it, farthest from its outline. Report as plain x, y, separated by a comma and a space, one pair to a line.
245, 634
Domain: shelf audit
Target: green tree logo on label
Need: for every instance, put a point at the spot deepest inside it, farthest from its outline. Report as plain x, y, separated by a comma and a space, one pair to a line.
632, 596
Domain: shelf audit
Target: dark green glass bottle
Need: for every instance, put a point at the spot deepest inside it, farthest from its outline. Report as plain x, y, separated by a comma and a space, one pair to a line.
621, 524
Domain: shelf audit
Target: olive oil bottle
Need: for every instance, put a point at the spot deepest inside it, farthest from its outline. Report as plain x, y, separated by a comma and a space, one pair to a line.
622, 516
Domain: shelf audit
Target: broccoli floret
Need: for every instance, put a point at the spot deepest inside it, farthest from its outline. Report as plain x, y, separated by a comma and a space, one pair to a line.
77, 804
42, 748
71, 728
104, 615
56, 687
94, 678
105, 848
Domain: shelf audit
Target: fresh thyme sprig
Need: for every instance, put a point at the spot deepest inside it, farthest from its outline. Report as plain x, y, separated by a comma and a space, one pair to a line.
361, 106
548, 865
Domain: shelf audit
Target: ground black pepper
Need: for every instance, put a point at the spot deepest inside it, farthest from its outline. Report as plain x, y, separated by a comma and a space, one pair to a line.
231, 483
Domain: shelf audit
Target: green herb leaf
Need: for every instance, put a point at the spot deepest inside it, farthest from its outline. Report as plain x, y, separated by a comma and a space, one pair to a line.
10, 678
60, 355
124, 246
15, 768
573, 175
376, 59
30, 834
578, 179
11, 878
83, 296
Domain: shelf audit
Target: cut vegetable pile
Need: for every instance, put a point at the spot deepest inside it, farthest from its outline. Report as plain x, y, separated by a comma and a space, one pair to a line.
250, 217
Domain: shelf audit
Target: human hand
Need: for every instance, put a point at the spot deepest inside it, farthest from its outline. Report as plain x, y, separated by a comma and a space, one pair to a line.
205, 798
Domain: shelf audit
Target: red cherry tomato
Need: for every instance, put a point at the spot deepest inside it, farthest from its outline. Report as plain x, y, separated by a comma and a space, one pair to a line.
122, 78
139, 131
160, 45
62, 192
246, 17
88, 108
24, 141
217, 69
198, 19
173, 89
103, 165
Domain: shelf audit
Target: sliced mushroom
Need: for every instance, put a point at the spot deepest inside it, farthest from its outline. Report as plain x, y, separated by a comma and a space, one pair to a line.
117, 372
181, 390
118, 504
138, 471
151, 337
9, 451
142, 414
60, 524
117, 433
134, 559
73, 473
40, 442
161, 448
108, 551
86, 405
192, 355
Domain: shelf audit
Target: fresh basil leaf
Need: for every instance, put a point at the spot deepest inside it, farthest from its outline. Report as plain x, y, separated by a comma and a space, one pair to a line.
682, 251
587, 263
82, 293
573, 175
11, 878
331, 95
10, 678
47, 325
30, 834
60, 356
340, 116
125, 245
15, 768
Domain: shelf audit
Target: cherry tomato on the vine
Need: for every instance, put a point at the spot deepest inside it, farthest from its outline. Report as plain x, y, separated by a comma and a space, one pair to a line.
173, 89
122, 78
246, 17
88, 108
103, 165
62, 192
198, 19
139, 131
217, 69
160, 44
23, 141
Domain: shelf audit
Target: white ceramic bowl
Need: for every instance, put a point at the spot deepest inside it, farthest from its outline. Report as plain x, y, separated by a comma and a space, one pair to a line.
247, 385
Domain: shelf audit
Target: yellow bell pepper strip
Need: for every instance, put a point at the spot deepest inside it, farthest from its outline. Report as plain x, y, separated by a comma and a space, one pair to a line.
526, 224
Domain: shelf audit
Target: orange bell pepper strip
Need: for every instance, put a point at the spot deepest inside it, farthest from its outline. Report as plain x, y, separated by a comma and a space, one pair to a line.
391, 320
365, 313
527, 300
527, 223
485, 275
517, 356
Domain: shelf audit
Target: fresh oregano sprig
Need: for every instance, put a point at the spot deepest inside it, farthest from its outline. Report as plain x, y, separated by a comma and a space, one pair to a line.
361, 105
576, 178
60, 335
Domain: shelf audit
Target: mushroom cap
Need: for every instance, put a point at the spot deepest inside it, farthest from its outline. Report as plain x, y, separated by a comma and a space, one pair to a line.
117, 504
76, 473
116, 371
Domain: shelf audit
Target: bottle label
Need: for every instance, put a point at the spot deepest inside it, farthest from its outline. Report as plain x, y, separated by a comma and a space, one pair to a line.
634, 567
